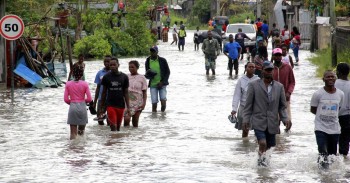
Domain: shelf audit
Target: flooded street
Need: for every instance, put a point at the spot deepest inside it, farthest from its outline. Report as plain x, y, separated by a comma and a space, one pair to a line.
193, 141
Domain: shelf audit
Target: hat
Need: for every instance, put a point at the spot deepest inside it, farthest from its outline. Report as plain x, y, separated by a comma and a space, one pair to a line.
277, 51
154, 48
267, 65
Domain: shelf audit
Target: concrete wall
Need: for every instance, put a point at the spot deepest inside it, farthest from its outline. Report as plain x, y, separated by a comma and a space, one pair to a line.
324, 36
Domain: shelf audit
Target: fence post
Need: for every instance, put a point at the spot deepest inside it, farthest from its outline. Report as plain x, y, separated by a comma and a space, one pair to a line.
333, 31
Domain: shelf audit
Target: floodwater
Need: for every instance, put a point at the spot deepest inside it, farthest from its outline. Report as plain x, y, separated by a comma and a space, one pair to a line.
193, 141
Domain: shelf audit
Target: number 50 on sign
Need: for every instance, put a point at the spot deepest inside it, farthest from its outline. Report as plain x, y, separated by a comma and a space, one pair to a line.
11, 27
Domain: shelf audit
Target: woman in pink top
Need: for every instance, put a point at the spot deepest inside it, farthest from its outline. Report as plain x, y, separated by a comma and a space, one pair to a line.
74, 96
137, 94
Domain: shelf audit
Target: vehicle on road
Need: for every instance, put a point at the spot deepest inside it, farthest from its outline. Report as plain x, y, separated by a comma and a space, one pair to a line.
248, 29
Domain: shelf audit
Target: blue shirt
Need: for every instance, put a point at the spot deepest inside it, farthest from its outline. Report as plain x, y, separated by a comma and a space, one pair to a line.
98, 80
232, 49
265, 29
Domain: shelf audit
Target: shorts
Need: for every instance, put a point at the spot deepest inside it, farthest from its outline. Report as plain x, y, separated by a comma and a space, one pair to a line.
155, 92
233, 63
210, 63
270, 138
175, 37
115, 115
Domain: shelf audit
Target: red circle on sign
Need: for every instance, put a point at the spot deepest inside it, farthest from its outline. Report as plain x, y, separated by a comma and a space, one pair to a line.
17, 35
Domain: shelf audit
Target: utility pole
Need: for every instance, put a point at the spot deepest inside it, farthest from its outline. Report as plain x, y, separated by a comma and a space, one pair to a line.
258, 8
217, 7
333, 32
3, 70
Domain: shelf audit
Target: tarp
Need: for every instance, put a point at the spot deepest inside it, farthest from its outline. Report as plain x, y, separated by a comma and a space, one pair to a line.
322, 20
279, 14
177, 7
27, 74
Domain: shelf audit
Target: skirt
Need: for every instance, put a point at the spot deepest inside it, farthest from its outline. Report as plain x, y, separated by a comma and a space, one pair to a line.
77, 114
136, 101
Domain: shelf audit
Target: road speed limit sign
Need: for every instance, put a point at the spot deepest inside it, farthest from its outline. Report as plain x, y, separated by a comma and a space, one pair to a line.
11, 27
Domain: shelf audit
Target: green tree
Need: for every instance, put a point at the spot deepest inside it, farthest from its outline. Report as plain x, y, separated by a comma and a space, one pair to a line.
201, 9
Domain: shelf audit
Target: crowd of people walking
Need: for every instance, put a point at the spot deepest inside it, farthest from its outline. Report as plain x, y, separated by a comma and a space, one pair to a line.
261, 97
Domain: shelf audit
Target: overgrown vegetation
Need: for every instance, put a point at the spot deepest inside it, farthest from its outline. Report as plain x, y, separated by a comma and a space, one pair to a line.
322, 60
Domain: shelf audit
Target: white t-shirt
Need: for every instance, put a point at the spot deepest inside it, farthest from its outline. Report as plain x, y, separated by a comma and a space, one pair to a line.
344, 86
174, 29
286, 60
327, 104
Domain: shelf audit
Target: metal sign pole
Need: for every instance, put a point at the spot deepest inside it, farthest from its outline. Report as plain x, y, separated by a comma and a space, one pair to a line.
12, 73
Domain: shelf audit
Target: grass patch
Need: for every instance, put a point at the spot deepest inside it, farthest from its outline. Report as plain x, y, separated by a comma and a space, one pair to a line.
240, 18
323, 60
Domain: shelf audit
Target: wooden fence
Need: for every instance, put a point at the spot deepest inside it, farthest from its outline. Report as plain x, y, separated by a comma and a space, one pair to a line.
343, 38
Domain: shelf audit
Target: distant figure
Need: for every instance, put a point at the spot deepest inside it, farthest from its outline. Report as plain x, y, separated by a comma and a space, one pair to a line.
247, 20
286, 37
239, 37
174, 32
81, 65
160, 80
101, 110
76, 95
115, 94
165, 31
265, 107
196, 39
137, 94
240, 95
295, 43
343, 84
182, 35
275, 34
265, 29
325, 104
211, 50
259, 59
286, 58
232, 50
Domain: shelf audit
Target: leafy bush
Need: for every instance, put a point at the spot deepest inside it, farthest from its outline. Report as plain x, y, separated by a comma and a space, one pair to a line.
94, 45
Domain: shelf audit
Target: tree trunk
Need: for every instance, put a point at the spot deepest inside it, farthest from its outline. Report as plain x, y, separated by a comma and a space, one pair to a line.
79, 27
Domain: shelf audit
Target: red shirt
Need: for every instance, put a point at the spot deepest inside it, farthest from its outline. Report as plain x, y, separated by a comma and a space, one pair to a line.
285, 75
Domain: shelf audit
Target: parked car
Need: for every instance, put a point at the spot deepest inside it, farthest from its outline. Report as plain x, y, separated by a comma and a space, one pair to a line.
248, 29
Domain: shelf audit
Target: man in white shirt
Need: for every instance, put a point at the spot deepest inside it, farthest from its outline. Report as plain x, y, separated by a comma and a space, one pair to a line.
174, 31
343, 84
325, 104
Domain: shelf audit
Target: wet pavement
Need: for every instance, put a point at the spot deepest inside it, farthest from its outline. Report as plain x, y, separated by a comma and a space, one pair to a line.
193, 141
